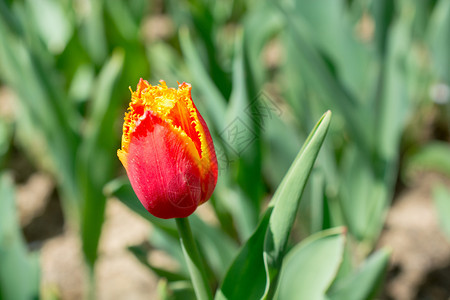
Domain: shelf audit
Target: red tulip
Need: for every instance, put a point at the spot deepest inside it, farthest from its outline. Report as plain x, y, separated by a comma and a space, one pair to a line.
167, 150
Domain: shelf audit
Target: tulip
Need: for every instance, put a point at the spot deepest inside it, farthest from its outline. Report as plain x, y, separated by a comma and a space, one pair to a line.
167, 150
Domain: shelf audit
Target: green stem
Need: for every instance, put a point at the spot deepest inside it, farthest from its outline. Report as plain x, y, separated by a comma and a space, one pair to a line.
194, 262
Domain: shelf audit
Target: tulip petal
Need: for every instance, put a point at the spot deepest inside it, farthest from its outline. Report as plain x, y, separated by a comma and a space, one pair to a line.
165, 177
209, 167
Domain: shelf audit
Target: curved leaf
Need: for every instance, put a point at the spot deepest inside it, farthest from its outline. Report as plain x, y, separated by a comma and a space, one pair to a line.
311, 266
364, 283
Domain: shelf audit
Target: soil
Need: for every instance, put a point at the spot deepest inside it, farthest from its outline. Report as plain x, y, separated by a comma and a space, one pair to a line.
118, 274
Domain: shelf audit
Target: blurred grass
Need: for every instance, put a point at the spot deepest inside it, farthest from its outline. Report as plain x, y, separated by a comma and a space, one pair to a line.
373, 63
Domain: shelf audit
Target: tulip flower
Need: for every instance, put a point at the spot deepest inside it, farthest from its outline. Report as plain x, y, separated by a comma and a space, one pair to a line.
167, 150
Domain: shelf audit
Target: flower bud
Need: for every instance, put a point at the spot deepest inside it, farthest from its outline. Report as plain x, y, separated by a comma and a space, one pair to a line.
167, 150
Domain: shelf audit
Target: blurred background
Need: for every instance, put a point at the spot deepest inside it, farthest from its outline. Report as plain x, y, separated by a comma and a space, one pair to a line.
263, 72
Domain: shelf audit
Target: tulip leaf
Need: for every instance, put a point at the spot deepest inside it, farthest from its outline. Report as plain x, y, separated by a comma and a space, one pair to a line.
96, 155
319, 76
310, 267
245, 143
259, 26
287, 198
165, 61
19, 271
441, 198
438, 33
215, 246
215, 103
363, 197
141, 255
5, 139
263, 252
123, 19
92, 32
435, 156
364, 283
395, 103
246, 277
171, 245
176, 290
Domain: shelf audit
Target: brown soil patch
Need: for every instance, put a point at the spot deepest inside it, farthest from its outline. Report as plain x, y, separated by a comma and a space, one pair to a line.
419, 248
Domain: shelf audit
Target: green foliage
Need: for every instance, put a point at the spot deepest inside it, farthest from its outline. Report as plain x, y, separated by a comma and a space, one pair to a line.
434, 156
441, 197
364, 283
19, 272
310, 267
261, 257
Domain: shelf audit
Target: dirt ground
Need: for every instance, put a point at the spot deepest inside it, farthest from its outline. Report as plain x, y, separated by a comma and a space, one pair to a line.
420, 261
118, 274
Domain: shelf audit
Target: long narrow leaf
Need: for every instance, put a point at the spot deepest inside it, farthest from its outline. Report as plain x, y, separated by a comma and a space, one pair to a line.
216, 103
96, 156
364, 283
287, 199
19, 271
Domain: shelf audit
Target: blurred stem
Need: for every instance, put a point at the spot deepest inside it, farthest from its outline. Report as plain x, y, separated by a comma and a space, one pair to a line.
193, 260
90, 292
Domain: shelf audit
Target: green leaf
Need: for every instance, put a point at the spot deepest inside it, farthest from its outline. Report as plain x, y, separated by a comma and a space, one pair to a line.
53, 24
247, 278
363, 196
19, 271
260, 25
217, 248
441, 197
215, 102
5, 139
10, 19
434, 156
310, 267
177, 290
141, 255
160, 240
282, 140
319, 210
245, 142
123, 19
92, 32
330, 29
395, 103
287, 199
438, 36
96, 155
383, 11
318, 75
166, 62
364, 283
